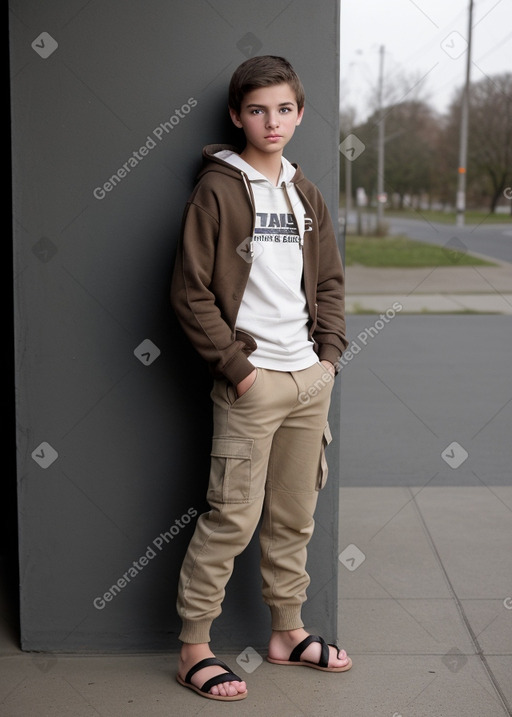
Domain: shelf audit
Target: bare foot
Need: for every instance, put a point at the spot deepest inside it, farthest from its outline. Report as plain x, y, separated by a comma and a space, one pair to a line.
282, 643
192, 654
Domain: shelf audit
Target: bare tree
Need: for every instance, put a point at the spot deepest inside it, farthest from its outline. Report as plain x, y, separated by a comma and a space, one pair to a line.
422, 146
490, 136
411, 136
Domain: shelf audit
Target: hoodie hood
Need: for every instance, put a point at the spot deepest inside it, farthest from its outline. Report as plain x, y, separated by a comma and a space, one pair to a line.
226, 159
287, 174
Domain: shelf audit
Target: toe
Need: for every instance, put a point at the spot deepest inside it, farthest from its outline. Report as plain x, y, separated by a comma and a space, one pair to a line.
338, 660
228, 689
238, 687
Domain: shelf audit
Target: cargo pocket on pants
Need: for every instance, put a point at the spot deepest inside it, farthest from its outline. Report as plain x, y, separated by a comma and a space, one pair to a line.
230, 470
324, 469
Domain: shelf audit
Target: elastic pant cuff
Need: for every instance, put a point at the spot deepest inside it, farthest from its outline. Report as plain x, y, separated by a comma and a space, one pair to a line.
195, 631
286, 617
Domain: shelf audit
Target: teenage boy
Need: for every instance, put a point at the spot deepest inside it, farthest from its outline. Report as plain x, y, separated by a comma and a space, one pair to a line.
258, 287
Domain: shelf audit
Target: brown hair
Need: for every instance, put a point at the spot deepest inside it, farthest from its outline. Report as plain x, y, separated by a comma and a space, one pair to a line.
263, 71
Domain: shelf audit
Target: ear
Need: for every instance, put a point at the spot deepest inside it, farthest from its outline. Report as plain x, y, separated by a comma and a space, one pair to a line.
235, 118
299, 117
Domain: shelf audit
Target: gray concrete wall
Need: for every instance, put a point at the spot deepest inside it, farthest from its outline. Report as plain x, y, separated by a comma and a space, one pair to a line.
112, 405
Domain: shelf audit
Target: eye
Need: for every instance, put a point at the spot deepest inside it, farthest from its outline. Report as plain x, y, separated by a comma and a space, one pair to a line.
285, 110
256, 111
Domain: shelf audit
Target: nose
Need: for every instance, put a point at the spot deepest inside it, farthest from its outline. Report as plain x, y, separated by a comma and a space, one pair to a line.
273, 119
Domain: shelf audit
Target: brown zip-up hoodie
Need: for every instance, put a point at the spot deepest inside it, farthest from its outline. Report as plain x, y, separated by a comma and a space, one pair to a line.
212, 267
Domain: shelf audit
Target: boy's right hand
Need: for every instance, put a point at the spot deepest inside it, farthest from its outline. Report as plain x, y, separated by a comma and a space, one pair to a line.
246, 383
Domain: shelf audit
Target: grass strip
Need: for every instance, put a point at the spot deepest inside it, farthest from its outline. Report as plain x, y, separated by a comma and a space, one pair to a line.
433, 215
402, 252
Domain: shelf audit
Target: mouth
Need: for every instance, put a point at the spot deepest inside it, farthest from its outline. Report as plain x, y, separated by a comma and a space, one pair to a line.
273, 136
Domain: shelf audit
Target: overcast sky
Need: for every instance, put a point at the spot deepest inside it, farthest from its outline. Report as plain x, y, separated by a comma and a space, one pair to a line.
423, 39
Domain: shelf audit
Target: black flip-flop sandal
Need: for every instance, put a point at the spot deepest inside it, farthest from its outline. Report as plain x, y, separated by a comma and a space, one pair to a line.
204, 690
322, 664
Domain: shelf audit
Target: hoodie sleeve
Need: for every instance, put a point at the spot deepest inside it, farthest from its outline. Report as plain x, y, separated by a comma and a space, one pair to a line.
195, 304
330, 331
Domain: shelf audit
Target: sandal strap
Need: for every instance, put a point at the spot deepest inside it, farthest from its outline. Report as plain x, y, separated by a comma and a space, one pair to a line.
296, 653
337, 648
207, 662
219, 679
227, 676
299, 649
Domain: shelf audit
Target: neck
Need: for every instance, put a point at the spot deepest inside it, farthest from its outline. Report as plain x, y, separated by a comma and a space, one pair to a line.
267, 164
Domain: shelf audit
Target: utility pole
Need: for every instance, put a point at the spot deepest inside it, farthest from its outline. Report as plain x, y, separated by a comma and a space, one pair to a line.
463, 149
348, 188
380, 156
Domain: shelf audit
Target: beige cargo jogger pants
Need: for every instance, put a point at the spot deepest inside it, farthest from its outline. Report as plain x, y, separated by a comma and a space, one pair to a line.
267, 461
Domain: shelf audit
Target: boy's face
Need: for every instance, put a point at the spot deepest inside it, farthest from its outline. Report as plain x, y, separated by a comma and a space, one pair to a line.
268, 117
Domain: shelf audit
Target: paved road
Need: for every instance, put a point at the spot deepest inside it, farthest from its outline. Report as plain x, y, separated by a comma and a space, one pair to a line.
492, 240
415, 386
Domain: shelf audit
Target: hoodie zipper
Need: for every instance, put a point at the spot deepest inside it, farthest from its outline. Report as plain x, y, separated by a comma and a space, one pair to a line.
301, 236
253, 207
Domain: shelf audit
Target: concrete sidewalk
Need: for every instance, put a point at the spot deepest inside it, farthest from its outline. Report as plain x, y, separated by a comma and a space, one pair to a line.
419, 648
443, 289
478, 289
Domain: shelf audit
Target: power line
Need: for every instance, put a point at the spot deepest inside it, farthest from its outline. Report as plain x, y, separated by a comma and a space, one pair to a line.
496, 47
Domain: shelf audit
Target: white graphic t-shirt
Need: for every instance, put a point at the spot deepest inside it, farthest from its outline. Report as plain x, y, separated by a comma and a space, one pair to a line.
273, 309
